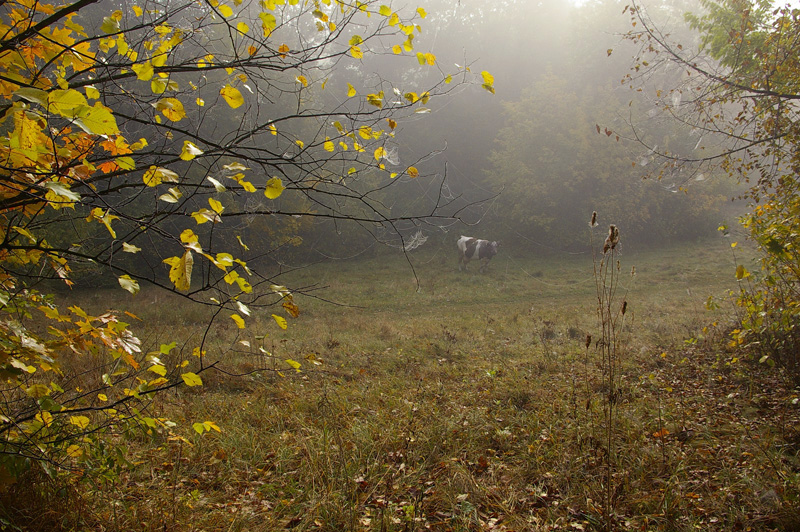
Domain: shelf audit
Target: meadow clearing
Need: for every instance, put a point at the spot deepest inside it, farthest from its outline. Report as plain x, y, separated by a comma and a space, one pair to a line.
433, 399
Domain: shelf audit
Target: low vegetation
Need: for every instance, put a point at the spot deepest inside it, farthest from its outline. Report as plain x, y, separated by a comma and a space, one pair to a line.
454, 401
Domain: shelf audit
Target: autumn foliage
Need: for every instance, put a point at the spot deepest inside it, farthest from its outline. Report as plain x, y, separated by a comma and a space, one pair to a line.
135, 144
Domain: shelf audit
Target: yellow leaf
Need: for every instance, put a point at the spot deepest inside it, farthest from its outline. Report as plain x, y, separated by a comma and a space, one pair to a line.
180, 272
191, 379
379, 152
105, 218
421, 12
375, 99
356, 52
268, 23
190, 151
239, 321
226, 11
137, 10
156, 175
232, 96
302, 80
274, 188
144, 71
741, 273
397, 49
488, 81
281, 321
204, 215
216, 205
243, 28
158, 369
65, 102
412, 172
294, 364
351, 91
129, 284
328, 145
79, 421
385, 11
172, 108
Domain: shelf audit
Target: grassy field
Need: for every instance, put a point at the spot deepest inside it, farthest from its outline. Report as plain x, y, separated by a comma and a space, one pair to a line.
433, 399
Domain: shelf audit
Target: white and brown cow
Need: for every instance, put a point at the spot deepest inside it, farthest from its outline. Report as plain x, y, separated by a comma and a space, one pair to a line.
473, 248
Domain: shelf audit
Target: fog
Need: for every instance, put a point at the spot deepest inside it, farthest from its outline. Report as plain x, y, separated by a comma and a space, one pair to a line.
537, 151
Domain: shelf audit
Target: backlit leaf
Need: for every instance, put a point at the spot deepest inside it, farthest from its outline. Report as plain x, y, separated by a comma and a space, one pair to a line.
219, 187
128, 284
232, 96
190, 151
274, 188
156, 175
172, 108
180, 272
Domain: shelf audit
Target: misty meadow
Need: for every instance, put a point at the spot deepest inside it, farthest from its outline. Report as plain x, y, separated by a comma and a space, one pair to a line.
341, 265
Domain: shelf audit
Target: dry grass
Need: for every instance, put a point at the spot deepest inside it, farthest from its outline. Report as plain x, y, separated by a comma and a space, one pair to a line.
471, 404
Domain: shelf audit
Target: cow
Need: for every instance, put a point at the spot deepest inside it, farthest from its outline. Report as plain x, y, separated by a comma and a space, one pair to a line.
473, 248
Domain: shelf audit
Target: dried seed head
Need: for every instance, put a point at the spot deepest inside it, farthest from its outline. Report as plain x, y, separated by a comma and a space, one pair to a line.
612, 239
633, 271
624, 307
588, 340
593, 223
